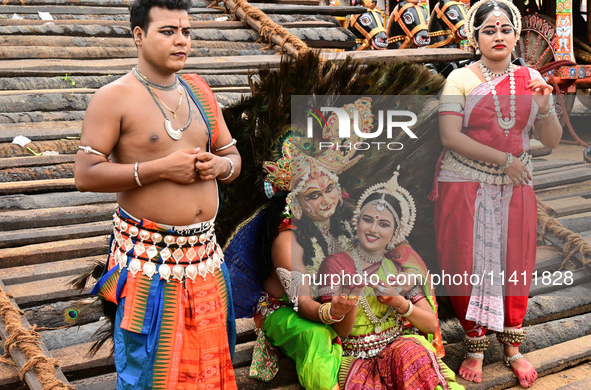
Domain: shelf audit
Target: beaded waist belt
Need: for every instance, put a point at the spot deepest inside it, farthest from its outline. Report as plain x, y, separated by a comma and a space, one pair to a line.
173, 256
369, 345
479, 170
267, 305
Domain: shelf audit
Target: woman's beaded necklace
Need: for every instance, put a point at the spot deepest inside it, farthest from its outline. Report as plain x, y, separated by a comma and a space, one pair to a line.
508, 122
363, 300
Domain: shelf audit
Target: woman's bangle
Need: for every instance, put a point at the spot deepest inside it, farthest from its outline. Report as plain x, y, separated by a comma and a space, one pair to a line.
509, 161
325, 316
332, 317
409, 311
545, 115
400, 307
231, 169
547, 123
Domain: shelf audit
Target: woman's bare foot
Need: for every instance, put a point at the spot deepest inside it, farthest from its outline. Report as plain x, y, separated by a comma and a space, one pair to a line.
471, 369
524, 370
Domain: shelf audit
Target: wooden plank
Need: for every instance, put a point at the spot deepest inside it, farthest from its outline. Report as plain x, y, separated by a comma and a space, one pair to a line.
52, 270
545, 362
548, 258
541, 165
575, 175
83, 10
569, 206
53, 200
16, 238
577, 189
85, 3
44, 291
557, 169
40, 116
410, 55
564, 303
195, 24
34, 186
20, 358
556, 281
577, 223
100, 382
578, 385
26, 219
34, 161
270, 9
48, 252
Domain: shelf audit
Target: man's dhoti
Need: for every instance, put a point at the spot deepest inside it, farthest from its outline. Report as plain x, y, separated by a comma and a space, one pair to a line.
173, 306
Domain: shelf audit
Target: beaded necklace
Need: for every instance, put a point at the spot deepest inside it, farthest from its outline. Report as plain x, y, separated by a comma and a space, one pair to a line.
508, 122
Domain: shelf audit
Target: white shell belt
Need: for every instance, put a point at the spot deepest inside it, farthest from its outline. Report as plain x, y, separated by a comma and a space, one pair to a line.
479, 170
153, 252
369, 345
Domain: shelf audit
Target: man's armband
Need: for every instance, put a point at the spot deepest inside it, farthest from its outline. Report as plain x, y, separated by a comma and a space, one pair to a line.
89, 150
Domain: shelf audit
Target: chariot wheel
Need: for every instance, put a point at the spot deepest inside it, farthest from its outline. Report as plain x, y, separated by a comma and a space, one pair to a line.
537, 41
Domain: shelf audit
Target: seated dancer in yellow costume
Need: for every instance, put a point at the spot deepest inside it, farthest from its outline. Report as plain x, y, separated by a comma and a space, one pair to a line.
383, 347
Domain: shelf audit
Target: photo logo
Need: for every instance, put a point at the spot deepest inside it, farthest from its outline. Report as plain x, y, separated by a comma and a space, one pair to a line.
392, 122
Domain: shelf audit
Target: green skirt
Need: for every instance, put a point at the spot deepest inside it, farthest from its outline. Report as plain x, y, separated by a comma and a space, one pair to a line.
311, 345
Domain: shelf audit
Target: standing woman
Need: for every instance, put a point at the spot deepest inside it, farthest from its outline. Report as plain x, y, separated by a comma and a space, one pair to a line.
485, 210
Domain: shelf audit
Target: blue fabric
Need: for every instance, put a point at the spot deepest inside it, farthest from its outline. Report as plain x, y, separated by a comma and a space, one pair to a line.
231, 321
135, 353
242, 256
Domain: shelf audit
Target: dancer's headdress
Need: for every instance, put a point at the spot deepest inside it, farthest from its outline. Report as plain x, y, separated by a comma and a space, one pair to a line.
298, 162
496, 11
408, 212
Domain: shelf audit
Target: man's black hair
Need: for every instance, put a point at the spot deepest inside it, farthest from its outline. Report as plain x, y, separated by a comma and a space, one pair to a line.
139, 11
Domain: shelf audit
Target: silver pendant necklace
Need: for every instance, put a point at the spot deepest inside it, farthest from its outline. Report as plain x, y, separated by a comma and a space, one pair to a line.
175, 134
508, 122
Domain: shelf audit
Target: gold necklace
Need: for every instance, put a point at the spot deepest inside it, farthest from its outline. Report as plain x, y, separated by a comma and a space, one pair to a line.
168, 108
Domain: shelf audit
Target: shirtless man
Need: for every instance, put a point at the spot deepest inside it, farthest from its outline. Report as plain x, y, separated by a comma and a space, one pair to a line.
163, 151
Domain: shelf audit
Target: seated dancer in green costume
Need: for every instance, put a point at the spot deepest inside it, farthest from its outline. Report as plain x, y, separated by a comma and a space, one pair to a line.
382, 345
287, 315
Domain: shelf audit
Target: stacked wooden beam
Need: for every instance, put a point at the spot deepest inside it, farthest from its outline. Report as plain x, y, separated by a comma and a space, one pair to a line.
50, 232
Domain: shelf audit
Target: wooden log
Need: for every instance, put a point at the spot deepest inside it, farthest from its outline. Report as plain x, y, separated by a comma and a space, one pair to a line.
564, 303
541, 165
556, 281
548, 259
409, 55
571, 353
36, 186
46, 271
48, 252
565, 191
100, 382
568, 206
577, 224
65, 216
44, 291
19, 162
95, 82
45, 102
309, 9
68, 337
40, 131
10, 150
563, 168
76, 10
575, 175
338, 38
286, 21
15, 238
87, 3
67, 30
57, 171
19, 356
53, 200
578, 385
37, 116
90, 53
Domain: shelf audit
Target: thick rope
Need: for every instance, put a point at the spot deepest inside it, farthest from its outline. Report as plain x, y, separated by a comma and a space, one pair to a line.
574, 243
28, 341
269, 28
560, 95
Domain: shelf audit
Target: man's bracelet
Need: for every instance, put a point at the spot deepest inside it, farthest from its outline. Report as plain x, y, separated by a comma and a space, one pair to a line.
136, 176
231, 169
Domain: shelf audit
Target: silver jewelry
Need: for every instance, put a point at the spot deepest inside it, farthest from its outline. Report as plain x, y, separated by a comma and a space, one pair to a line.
510, 159
88, 150
144, 80
545, 115
136, 176
333, 245
175, 134
382, 289
409, 311
226, 146
475, 355
508, 122
509, 360
366, 256
231, 169
524, 174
